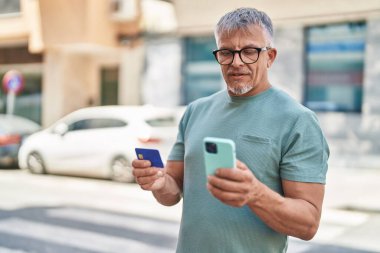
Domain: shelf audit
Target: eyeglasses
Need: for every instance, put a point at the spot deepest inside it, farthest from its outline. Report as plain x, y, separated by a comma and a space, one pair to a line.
247, 55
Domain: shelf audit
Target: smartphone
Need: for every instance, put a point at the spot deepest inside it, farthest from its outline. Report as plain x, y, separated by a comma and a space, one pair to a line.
153, 155
218, 153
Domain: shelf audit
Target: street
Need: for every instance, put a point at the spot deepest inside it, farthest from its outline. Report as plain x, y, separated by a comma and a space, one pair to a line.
46, 213
68, 214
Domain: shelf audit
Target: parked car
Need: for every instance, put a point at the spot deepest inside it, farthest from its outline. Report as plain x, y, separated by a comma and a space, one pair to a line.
13, 130
100, 141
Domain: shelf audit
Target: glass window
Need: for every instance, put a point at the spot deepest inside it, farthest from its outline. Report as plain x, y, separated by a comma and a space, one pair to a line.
9, 6
87, 124
18, 55
28, 101
334, 67
162, 122
201, 72
109, 86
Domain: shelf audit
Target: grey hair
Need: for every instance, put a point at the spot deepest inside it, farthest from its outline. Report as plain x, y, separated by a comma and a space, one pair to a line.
241, 19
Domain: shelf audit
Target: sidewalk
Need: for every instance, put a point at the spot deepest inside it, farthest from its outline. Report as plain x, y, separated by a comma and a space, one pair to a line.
351, 214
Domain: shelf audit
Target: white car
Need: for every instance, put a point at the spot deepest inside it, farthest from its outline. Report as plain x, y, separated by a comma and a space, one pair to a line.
100, 141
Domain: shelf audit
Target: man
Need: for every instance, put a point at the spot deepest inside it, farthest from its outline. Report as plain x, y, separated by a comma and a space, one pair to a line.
277, 188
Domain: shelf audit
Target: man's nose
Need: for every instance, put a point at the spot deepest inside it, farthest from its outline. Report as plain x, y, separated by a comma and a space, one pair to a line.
237, 60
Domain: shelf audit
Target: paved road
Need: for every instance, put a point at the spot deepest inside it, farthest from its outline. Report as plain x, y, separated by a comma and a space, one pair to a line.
78, 215
81, 230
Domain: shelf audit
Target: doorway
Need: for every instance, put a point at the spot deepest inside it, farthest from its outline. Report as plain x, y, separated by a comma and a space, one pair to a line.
109, 86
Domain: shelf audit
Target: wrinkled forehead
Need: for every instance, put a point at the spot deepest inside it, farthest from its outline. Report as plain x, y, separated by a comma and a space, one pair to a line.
251, 31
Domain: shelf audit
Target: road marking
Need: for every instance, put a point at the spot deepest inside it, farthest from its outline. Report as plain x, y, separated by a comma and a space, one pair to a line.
6, 250
114, 220
75, 238
297, 246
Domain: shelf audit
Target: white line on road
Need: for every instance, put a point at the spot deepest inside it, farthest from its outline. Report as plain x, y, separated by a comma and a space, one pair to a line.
6, 250
75, 238
114, 220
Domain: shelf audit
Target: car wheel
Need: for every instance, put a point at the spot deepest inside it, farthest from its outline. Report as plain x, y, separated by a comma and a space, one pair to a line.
35, 163
121, 170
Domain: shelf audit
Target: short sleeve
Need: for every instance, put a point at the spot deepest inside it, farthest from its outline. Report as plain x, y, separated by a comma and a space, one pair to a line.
177, 152
305, 152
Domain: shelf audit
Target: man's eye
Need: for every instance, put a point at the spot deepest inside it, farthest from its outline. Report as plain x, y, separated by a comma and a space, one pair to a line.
249, 51
225, 53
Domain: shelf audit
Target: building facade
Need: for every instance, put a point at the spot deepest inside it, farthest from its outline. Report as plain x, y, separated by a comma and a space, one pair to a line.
327, 59
72, 53
77, 53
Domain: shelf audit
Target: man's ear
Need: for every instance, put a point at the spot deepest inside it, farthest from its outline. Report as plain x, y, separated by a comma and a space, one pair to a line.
272, 53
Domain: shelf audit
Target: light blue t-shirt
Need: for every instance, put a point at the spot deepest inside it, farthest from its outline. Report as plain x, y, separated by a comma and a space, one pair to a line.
275, 136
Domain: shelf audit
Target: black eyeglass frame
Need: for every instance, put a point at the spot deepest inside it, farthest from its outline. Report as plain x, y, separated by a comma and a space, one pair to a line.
239, 52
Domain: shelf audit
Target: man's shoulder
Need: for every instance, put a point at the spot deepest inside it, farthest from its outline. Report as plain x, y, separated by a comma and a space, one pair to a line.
287, 102
286, 106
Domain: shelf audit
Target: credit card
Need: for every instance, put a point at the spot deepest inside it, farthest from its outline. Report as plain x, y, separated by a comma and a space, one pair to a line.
153, 155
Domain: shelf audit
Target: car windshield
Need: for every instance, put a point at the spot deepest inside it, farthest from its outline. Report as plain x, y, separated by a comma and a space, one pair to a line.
162, 121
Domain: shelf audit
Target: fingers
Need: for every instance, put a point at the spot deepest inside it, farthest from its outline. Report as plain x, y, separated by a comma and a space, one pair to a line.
140, 163
234, 187
144, 172
230, 174
141, 168
240, 174
228, 185
230, 198
142, 180
145, 175
152, 182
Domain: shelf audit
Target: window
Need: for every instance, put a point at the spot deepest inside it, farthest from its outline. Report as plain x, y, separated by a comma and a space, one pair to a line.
202, 76
9, 6
87, 124
162, 122
109, 86
18, 55
28, 102
334, 67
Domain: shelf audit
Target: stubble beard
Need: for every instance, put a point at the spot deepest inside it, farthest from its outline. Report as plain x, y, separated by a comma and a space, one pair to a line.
240, 89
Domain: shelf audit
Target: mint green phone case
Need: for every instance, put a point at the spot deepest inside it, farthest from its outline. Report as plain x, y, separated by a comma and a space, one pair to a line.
223, 156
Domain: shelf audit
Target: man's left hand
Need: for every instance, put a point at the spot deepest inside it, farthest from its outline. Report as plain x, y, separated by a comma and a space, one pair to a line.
235, 187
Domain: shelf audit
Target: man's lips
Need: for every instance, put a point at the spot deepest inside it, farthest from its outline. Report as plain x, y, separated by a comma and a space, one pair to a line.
236, 73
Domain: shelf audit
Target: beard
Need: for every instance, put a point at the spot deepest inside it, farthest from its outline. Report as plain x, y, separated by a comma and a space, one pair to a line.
240, 89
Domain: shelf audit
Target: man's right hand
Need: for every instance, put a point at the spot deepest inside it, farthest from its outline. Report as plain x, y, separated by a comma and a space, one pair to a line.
165, 184
149, 178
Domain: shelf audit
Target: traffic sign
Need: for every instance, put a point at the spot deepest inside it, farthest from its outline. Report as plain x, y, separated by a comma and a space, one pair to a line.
13, 82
